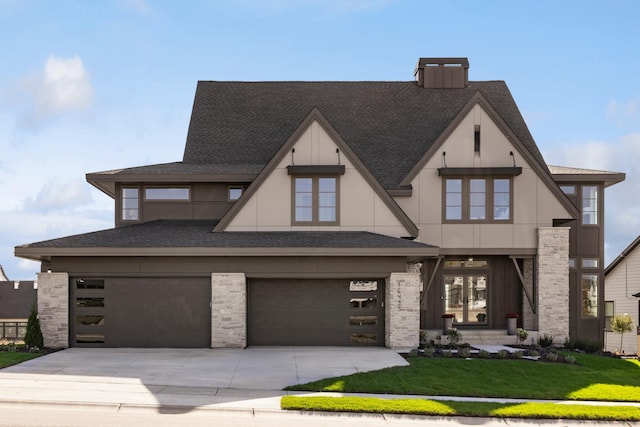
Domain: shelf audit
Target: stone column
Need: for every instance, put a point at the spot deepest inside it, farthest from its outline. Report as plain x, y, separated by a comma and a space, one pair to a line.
553, 282
53, 308
402, 311
228, 310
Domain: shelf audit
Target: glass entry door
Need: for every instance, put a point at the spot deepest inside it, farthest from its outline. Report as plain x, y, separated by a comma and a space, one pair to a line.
466, 297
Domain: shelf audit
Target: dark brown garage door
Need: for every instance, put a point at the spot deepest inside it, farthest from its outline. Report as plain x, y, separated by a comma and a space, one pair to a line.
315, 312
141, 312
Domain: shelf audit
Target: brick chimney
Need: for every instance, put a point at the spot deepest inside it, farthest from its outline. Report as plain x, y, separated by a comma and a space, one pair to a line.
442, 73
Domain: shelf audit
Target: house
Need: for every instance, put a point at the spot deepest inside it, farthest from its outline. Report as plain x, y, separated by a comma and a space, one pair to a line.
16, 300
336, 213
621, 294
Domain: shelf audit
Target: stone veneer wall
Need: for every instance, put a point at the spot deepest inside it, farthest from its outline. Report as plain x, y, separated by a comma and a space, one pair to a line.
402, 311
228, 310
553, 282
53, 308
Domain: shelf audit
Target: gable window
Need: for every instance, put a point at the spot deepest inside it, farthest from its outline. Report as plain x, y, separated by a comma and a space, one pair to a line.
130, 204
315, 200
166, 193
478, 200
590, 204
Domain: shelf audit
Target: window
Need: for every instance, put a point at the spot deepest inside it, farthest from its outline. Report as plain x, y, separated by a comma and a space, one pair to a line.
234, 193
476, 139
589, 288
478, 199
315, 200
166, 193
590, 263
608, 315
590, 204
572, 263
130, 207
569, 190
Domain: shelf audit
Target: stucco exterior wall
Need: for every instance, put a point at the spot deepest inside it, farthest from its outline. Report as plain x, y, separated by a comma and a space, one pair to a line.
619, 286
53, 308
534, 205
553, 282
360, 208
228, 310
402, 312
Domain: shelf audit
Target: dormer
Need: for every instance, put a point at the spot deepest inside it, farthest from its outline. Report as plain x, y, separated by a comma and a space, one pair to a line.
442, 73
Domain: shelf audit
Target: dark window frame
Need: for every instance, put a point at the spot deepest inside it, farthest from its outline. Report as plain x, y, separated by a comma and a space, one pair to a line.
234, 188
583, 211
167, 187
489, 202
315, 200
123, 207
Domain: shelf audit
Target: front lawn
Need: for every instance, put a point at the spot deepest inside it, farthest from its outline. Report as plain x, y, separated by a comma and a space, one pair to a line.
452, 408
8, 358
590, 378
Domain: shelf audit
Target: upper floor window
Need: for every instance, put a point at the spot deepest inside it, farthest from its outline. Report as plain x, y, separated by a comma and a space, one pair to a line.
590, 204
166, 193
569, 190
478, 199
315, 200
130, 204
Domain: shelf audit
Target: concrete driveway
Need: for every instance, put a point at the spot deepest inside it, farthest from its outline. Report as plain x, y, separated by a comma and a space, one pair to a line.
180, 380
255, 368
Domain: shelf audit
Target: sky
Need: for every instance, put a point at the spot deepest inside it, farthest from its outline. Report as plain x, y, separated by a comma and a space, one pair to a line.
87, 86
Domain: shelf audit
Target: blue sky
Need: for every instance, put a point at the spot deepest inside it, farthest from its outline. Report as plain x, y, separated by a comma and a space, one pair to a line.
87, 86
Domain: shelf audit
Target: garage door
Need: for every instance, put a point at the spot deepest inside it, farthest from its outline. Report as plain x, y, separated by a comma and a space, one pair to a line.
315, 312
141, 312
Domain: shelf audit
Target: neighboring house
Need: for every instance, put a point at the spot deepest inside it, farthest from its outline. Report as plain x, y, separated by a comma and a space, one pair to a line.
622, 296
336, 213
16, 300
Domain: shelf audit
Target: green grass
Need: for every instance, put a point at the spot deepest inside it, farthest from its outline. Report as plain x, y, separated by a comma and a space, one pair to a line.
591, 378
8, 358
452, 408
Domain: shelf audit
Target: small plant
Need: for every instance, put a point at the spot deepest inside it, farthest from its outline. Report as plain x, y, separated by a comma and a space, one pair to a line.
464, 352
484, 354
447, 353
423, 337
413, 352
521, 334
570, 359
517, 355
503, 354
621, 324
552, 356
33, 336
545, 341
534, 353
454, 335
585, 346
429, 351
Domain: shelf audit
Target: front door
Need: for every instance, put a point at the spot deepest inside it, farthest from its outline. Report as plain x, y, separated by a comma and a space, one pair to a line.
466, 297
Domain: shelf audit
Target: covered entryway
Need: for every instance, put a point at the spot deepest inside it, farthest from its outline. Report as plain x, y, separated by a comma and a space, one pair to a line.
141, 312
315, 312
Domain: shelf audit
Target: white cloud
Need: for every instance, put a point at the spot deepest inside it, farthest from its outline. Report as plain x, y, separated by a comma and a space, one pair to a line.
624, 114
62, 86
57, 195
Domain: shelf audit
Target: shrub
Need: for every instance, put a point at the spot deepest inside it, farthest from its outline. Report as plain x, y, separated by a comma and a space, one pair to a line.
521, 334
517, 355
552, 356
503, 354
484, 354
586, 346
33, 337
545, 341
454, 335
429, 351
447, 353
464, 352
534, 353
570, 359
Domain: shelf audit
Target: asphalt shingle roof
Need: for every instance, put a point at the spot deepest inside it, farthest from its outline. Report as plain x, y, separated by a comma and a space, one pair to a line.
389, 125
197, 234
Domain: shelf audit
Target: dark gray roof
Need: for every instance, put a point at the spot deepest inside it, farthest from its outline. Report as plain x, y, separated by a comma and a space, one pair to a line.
179, 168
389, 125
197, 234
